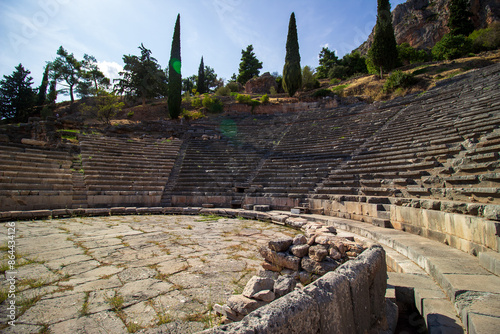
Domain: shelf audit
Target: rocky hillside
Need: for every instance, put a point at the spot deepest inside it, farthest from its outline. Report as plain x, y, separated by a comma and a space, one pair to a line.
422, 23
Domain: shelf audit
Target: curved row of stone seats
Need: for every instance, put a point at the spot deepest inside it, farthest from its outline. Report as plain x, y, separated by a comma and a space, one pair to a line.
432, 170
213, 172
34, 178
121, 171
316, 143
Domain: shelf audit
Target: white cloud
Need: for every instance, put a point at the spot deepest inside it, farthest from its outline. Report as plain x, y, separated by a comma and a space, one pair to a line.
110, 69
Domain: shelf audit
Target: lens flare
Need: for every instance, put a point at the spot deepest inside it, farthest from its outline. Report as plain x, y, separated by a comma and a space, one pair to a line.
176, 65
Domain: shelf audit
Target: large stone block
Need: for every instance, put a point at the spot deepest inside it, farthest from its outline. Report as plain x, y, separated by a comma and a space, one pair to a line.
333, 295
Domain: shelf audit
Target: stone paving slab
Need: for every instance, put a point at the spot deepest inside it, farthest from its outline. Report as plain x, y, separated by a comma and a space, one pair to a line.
120, 274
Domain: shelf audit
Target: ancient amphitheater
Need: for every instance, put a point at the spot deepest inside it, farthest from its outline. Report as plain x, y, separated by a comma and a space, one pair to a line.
419, 175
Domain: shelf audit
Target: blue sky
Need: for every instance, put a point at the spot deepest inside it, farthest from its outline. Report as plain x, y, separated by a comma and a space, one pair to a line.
31, 31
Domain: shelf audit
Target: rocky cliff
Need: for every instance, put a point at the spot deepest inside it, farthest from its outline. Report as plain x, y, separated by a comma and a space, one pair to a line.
422, 23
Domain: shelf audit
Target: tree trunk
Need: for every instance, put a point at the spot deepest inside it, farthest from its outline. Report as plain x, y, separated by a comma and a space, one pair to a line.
71, 94
381, 73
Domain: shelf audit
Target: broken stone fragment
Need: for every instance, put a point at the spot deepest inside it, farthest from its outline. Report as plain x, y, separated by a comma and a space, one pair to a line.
299, 250
243, 305
318, 268
257, 284
296, 222
280, 245
326, 239
334, 253
280, 259
268, 266
284, 285
318, 253
265, 295
299, 240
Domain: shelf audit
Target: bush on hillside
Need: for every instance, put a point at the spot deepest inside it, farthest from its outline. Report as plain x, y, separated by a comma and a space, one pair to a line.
213, 104
264, 99
409, 55
322, 93
399, 79
486, 39
233, 86
452, 47
338, 72
309, 80
223, 91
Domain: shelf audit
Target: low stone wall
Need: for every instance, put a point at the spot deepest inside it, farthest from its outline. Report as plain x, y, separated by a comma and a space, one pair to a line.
468, 233
350, 299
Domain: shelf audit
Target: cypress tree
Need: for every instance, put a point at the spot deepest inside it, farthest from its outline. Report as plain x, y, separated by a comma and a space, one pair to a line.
174, 73
42, 91
460, 22
292, 74
384, 52
201, 78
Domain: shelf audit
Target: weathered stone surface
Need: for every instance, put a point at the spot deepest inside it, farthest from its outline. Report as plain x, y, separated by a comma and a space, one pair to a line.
492, 212
326, 239
280, 245
244, 305
334, 253
257, 284
318, 268
265, 295
268, 266
280, 259
284, 285
299, 250
261, 85
99, 323
318, 253
296, 222
299, 240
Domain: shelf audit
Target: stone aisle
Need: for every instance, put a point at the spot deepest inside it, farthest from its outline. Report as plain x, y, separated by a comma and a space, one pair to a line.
145, 274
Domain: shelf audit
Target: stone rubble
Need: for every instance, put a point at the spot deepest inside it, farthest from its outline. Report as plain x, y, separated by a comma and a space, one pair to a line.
289, 264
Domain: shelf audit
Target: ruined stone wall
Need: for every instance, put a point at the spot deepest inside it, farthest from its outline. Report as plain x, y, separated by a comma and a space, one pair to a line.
350, 299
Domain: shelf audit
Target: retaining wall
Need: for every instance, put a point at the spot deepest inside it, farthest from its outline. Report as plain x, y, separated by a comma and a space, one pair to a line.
350, 299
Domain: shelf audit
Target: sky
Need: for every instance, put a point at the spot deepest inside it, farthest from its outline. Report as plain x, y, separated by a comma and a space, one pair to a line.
31, 31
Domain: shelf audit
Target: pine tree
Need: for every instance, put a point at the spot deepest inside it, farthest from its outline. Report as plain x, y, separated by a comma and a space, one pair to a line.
17, 98
460, 22
67, 69
384, 52
249, 65
200, 83
292, 73
142, 77
327, 60
174, 73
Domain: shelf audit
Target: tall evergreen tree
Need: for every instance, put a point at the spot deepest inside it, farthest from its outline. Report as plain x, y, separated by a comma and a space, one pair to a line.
67, 69
327, 60
42, 91
249, 65
292, 73
142, 77
93, 79
174, 73
460, 22
17, 98
384, 52
201, 83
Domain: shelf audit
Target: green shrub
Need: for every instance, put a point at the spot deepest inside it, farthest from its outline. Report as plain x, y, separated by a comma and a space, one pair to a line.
486, 39
323, 93
245, 99
399, 79
335, 81
308, 79
338, 72
452, 47
223, 91
196, 102
273, 91
339, 90
130, 114
213, 104
264, 99
409, 55
46, 112
233, 86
